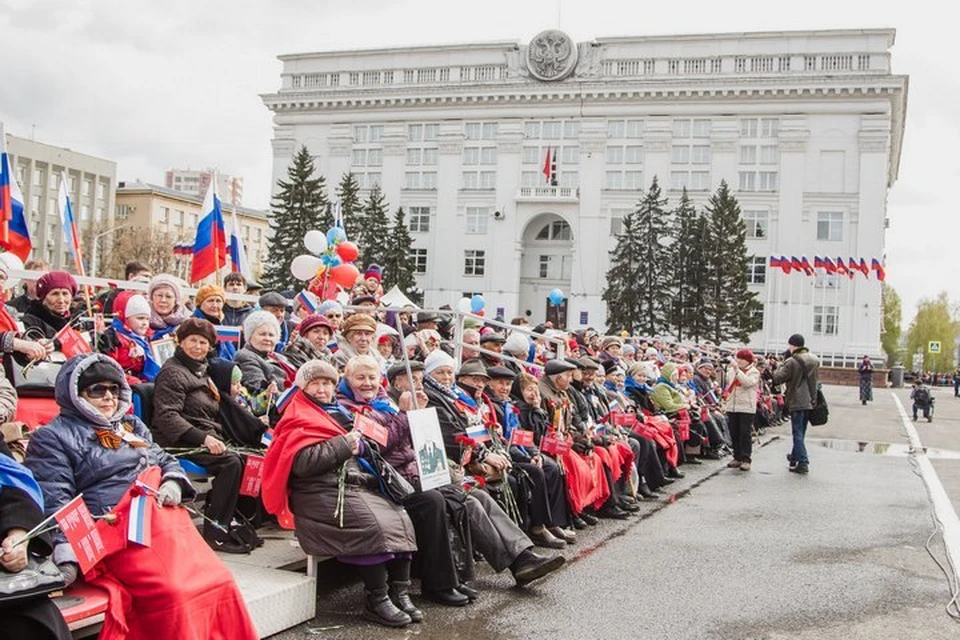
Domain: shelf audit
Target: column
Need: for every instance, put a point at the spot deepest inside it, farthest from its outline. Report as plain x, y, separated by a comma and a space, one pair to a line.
792, 315
591, 259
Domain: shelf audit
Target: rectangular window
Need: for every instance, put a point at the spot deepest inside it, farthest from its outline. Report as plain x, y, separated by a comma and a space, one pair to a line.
825, 320
38, 178
474, 262
544, 266
35, 203
749, 128
701, 128
756, 223
682, 128
757, 271
571, 129
375, 157
614, 180
101, 190
700, 154
359, 158
679, 180
699, 181
531, 179
471, 155
748, 181
767, 181
531, 155
616, 129
414, 156
614, 155
570, 155
634, 128
164, 214
419, 219
830, 226
616, 220
748, 154
768, 154
769, 127
360, 134
531, 130
479, 180
420, 180
681, 154
552, 130
477, 218
419, 259
633, 154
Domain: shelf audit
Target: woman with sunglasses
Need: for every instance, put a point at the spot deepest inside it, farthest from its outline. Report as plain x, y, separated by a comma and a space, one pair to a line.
95, 448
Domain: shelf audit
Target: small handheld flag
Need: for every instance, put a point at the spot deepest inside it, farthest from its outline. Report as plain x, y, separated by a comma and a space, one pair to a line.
227, 334
305, 299
138, 527
284, 399
266, 439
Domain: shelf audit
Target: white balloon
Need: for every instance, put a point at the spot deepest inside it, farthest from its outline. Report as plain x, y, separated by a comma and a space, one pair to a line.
305, 267
315, 242
343, 297
464, 305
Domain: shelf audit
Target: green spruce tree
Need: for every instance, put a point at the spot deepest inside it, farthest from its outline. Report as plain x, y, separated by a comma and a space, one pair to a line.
731, 307
374, 229
698, 294
684, 258
652, 224
398, 265
299, 206
351, 208
622, 295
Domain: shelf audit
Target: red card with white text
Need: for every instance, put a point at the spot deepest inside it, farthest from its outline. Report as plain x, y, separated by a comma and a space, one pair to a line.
252, 476
521, 438
80, 529
371, 429
554, 445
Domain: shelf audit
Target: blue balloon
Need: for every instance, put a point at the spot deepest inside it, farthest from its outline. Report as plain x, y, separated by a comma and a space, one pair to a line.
331, 260
335, 235
555, 297
477, 303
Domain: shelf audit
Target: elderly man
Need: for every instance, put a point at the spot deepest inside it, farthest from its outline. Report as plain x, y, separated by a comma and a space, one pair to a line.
399, 382
471, 340
275, 304
492, 341
357, 339
428, 320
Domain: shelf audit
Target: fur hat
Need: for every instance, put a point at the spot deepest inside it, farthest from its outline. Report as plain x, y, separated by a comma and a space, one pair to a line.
313, 370
358, 322
55, 280
610, 341
373, 271
197, 327
209, 291
255, 320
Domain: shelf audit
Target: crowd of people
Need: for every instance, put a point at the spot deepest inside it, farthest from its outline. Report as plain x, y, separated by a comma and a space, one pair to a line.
545, 432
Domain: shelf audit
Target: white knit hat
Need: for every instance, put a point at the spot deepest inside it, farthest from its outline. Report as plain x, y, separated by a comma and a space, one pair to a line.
517, 344
256, 319
137, 306
438, 358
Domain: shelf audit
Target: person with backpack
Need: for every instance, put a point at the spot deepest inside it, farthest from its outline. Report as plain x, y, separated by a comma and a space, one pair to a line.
798, 374
922, 400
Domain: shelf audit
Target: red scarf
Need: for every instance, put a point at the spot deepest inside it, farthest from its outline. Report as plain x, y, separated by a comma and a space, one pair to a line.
303, 424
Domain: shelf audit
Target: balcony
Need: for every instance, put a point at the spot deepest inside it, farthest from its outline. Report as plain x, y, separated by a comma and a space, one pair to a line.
548, 194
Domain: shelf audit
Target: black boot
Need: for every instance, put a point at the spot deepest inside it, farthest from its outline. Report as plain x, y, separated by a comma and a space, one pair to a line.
400, 597
645, 491
378, 608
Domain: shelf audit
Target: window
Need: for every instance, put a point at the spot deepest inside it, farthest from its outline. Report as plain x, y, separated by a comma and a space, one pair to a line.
759, 154
616, 220
830, 226
359, 158
759, 127
544, 266
101, 190
193, 220
420, 156
477, 218
164, 214
701, 128
690, 180
481, 180
374, 157
368, 180
681, 155
757, 271
474, 262
35, 203
420, 219
758, 181
756, 223
698, 128
422, 132
697, 154
87, 187
368, 133
481, 130
479, 155
614, 155
681, 128
625, 180
420, 180
178, 217
38, 178
124, 211
552, 130
825, 320
84, 212
556, 230
419, 259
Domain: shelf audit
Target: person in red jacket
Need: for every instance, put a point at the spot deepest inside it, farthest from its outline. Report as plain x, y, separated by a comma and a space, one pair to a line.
126, 340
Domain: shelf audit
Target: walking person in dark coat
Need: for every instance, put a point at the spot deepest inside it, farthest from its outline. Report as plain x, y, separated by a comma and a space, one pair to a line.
798, 374
866, 380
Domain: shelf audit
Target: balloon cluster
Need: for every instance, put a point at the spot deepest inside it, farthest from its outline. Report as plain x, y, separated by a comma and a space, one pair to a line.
332, 258
474, 305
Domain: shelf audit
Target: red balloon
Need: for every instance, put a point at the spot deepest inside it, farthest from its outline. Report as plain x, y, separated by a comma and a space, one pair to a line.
348, 251
345, 275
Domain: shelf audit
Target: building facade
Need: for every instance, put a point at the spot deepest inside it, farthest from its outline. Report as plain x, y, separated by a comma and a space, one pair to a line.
91, 187
806, 128
229, 188
174, 216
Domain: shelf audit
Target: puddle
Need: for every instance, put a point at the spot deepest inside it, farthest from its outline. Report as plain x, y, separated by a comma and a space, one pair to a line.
882, 448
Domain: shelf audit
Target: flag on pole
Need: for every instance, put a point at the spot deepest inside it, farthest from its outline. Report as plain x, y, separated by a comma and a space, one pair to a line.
138, 527
785, 264
875, 265
14, 233
864, 269
852, 267
227, 333
775, 263
306, 300
805, 263
210, 245
795, 264
829, 266
71, 237
841, 267
238, 255
818, 263
548, 168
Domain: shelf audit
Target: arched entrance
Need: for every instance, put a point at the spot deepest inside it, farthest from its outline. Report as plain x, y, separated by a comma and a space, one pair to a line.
547, 263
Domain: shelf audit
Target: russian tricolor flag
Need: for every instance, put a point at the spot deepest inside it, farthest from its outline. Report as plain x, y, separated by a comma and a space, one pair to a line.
238, 255
227, 334
14, 235
138, 527
306, 302
267, 438
478, 431
210, 245
284, 399
70, 235
876, 265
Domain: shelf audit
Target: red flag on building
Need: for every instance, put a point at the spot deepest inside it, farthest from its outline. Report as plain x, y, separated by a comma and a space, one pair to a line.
548, 168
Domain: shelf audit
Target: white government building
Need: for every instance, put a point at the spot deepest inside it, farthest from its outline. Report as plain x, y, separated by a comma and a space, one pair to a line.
805, 126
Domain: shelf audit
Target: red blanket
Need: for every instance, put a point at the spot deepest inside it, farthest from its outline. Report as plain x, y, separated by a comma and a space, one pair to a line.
303, 424
586, 484
175, 589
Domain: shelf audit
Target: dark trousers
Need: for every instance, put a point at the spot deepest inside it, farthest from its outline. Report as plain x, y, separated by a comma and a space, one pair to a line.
557, 493
434, 560
649, 465
536, 511
227, 471
741, 432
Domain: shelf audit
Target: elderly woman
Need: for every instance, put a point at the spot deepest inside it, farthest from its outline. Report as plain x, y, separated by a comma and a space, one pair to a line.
10, 341
668, 399
332, 311
95, 448
741, 404
21, 509
310, 343
209, 302
263, 369
166, 305
50, 312
358, 339
314, 443
186, 414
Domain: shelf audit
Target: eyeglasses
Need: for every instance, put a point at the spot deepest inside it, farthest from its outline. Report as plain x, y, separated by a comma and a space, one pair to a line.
100, 390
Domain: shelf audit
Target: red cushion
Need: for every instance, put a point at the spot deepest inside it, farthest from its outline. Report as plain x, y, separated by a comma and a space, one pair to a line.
93, 600
36, 412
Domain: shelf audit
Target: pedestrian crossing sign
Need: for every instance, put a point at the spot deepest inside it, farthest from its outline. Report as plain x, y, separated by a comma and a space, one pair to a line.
933, 346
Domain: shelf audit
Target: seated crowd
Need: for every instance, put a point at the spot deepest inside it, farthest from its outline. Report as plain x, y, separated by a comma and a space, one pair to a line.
544, 431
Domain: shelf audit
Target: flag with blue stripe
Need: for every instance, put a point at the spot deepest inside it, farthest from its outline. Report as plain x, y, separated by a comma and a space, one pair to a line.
138, 527
227, 334
306, 300
284, 398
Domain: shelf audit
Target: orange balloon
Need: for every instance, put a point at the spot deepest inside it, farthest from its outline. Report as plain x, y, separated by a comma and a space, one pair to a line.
348, 251
345, 275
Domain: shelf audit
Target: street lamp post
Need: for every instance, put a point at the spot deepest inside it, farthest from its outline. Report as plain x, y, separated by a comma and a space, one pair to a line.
94, 261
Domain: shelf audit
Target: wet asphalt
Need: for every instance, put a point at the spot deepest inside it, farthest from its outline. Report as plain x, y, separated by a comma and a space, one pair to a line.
765, 554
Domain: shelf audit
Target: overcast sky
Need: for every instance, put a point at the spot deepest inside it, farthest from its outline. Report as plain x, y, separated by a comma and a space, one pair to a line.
164, 83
